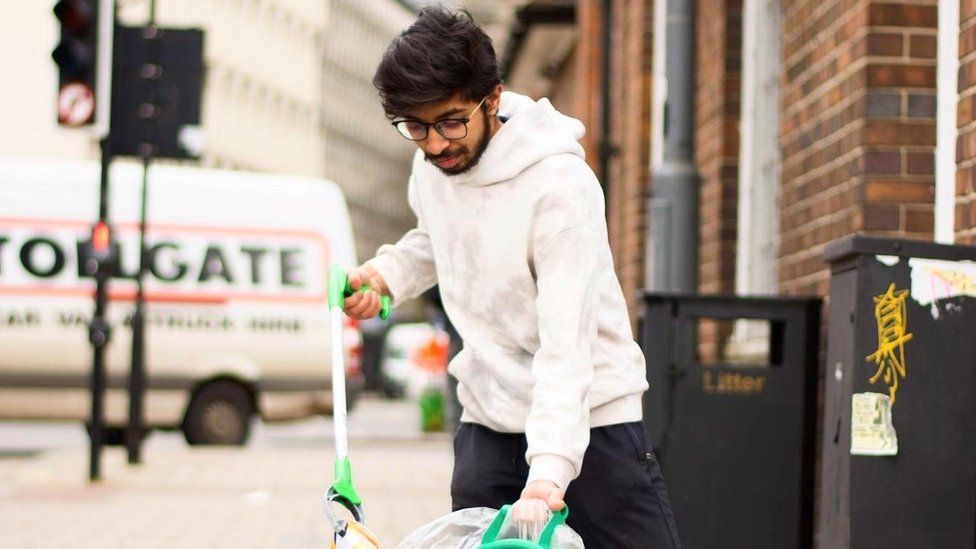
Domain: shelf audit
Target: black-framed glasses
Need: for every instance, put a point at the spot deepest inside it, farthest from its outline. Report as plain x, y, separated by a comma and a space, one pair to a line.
449, 128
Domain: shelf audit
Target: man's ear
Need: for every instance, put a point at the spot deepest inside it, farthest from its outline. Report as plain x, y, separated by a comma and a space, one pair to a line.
494, 100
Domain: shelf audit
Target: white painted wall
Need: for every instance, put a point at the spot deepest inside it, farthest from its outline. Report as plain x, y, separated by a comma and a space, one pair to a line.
757, 245
947, 80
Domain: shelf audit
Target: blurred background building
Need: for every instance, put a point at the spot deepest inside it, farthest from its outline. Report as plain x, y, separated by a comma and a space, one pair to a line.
287, 89
495, 16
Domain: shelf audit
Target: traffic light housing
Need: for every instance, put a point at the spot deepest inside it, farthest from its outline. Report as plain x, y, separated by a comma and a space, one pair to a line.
76, 56
100, 253
174, 91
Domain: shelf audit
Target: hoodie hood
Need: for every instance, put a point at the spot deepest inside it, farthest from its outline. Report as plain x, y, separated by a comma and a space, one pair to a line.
533, 131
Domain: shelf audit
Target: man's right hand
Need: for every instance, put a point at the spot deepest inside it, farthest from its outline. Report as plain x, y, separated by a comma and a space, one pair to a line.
363, 305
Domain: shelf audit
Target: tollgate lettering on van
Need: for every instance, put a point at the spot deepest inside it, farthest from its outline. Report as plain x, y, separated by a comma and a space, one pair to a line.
190, 266
236, 304
184, 263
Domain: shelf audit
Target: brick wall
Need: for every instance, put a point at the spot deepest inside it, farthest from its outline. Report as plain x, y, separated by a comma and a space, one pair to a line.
631, 135
857, 127
717, 107
966, 145
587, 96
630, 132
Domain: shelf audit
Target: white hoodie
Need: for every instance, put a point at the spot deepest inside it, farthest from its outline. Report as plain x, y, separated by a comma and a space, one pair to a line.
518, 245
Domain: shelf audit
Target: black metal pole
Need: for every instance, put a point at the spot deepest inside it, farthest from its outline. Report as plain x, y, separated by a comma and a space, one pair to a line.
151, 71
100, 264
137, 374
99, 332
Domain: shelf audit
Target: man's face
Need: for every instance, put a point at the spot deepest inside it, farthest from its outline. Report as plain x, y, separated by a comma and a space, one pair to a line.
455, 156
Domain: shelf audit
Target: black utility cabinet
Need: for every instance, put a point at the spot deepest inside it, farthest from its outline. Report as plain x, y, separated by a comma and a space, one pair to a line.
900, 312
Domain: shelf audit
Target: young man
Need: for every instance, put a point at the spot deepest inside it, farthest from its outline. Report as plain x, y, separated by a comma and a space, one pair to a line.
511, 226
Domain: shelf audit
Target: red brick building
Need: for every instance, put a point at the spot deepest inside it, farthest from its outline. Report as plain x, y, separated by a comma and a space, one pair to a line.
965, 226
813, 120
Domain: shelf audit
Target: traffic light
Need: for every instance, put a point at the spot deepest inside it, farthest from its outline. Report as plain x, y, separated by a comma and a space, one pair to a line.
76, 56
171, 93
99, 254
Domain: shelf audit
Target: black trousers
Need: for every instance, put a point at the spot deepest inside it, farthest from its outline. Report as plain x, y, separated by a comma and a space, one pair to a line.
619, 500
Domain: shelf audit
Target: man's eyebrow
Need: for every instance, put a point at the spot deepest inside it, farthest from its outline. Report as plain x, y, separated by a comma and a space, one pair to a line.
449, 112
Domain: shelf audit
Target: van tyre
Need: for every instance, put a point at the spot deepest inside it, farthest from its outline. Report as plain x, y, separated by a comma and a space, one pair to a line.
219, 414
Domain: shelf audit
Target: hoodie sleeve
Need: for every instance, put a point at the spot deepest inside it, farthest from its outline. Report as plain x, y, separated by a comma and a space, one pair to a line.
407, 266
568, 250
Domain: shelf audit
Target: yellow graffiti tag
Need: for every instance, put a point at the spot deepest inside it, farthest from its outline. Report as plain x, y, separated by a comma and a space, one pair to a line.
889, 311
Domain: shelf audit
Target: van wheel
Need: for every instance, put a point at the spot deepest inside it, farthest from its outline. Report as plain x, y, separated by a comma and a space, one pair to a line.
220, 413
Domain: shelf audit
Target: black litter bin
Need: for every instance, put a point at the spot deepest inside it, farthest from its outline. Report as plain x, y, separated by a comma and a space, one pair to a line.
735, 441
898, 465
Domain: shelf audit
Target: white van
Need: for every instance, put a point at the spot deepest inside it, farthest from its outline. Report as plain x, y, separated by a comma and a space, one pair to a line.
236, 306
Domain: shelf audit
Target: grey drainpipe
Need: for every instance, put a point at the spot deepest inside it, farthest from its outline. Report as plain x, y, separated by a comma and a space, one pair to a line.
673, 207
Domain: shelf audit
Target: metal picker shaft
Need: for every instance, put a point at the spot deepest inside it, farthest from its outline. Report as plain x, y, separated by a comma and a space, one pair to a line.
338, 290
342, 489
339, 385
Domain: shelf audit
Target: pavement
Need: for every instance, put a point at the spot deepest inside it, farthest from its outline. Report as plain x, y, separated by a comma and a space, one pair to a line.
267, 494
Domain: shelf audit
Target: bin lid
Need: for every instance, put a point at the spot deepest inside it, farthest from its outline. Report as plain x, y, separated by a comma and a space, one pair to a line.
860, 244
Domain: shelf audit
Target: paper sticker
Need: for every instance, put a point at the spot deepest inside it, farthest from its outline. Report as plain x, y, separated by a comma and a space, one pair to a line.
872, 433
933, 280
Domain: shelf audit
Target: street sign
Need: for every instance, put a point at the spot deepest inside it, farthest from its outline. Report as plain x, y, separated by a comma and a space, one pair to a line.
76, 104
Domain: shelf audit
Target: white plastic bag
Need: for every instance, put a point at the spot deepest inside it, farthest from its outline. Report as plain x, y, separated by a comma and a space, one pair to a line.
463, 530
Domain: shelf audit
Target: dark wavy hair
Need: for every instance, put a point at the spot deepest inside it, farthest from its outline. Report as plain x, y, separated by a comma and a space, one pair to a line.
442, 53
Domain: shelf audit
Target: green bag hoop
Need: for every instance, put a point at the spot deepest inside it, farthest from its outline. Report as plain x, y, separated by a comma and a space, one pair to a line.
490, 541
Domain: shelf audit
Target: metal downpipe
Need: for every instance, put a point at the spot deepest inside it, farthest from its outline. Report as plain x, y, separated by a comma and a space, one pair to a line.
675, 181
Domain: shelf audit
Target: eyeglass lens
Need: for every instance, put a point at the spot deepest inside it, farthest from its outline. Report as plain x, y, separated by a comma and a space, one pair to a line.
449, 129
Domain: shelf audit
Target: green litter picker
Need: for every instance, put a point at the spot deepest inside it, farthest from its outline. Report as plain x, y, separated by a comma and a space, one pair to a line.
352, 533
348, 534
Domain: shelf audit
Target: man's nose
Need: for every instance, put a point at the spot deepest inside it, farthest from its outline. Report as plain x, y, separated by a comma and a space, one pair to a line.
435, 143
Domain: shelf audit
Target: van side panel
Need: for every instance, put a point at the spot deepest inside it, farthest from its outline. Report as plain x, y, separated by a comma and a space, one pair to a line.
237, 286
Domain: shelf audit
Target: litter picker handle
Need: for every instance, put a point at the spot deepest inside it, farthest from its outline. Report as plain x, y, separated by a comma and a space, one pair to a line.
339, 289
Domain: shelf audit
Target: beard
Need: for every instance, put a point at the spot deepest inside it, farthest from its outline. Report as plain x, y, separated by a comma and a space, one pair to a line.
473, 158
